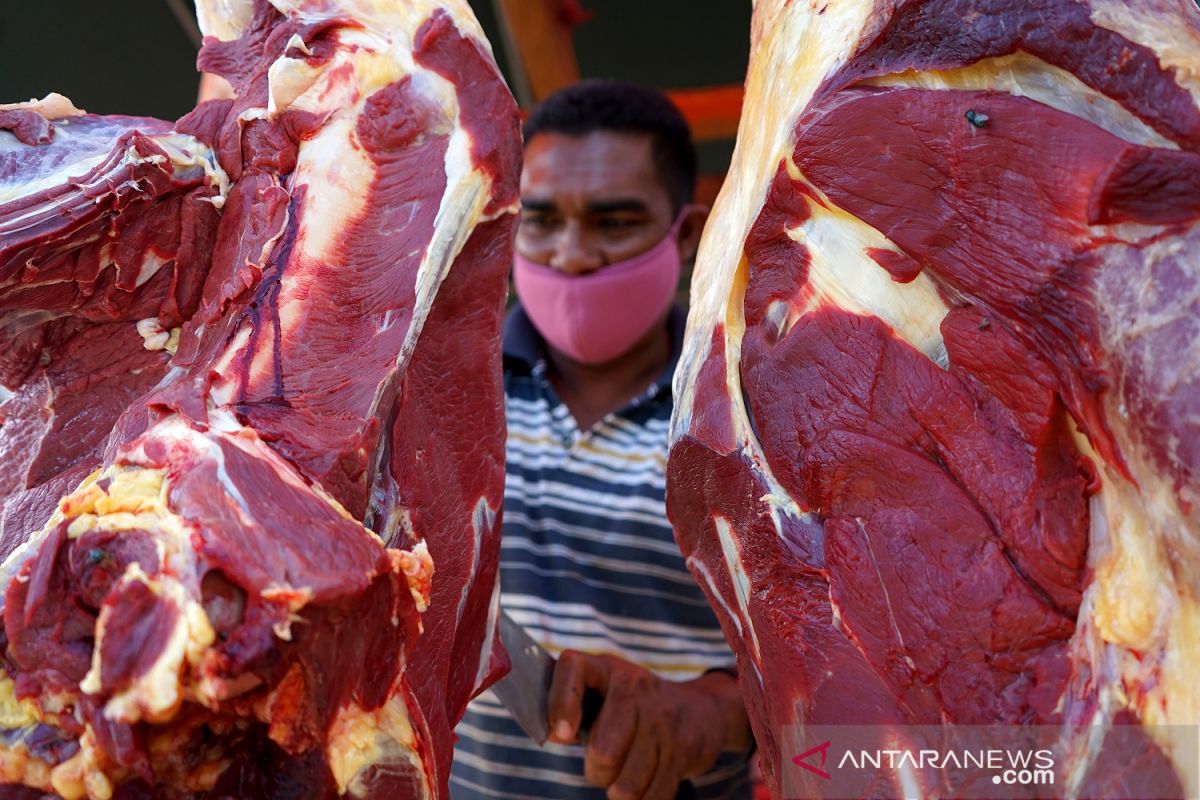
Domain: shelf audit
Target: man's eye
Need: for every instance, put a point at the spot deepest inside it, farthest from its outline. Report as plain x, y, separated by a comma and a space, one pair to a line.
617, 223
540, 221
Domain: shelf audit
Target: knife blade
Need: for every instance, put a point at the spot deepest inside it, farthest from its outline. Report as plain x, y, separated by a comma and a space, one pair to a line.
525, 691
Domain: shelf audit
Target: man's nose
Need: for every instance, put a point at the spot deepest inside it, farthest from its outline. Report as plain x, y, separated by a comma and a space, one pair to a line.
573, 253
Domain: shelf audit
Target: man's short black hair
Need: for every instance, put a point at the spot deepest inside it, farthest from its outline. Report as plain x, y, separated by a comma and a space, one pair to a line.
607, 105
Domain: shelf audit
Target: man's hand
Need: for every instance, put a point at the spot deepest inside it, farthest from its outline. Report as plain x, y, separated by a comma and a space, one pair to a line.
651, 733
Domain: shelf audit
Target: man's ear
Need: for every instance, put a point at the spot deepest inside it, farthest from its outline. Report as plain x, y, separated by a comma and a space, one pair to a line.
691, 225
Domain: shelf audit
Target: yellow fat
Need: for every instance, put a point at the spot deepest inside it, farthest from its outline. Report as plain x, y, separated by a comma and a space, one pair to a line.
14, 713
17, 767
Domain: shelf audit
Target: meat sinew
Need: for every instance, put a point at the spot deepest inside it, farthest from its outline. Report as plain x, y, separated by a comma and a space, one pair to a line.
252, 430
936, 455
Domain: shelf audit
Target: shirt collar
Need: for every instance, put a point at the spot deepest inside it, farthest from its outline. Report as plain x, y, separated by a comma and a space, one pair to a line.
524, 347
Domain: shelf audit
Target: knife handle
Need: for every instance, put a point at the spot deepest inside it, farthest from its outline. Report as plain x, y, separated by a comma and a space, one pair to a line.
590, 709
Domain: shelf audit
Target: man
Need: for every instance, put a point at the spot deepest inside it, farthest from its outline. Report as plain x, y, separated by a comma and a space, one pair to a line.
589, 564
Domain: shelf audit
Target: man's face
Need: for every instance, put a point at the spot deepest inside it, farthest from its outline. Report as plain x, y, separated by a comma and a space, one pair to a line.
589, 201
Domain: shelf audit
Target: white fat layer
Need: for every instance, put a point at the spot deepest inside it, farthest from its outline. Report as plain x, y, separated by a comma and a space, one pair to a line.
699, 568
489, 636
5, 395
335, 161
53, 106
1023, 75
288, 79
151, 263
741, 581
906, 780
843, 274
481, 521
804, 47
154, 336
225, 383
379, 50
224, 19
297, 43
252, 113
696, 565
222, 420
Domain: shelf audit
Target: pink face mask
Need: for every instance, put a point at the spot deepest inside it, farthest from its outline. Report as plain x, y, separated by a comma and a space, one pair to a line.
598, 316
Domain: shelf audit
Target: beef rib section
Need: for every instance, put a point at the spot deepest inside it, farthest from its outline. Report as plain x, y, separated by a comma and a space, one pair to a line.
253, 418
936, 454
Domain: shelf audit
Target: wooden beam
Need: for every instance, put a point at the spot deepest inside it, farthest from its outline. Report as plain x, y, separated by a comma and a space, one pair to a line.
712, 112
187, 21
541, 37
537, 36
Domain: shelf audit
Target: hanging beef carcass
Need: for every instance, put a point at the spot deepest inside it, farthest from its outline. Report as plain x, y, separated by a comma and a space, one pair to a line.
936, 456
252, 429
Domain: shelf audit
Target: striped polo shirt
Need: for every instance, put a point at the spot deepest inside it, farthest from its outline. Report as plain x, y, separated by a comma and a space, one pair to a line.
587, 562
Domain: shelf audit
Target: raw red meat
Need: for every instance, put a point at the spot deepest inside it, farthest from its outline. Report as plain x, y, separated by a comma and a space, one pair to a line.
252, 430
936, 459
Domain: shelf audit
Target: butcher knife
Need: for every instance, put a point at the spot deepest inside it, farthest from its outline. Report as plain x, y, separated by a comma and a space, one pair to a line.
525, 691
